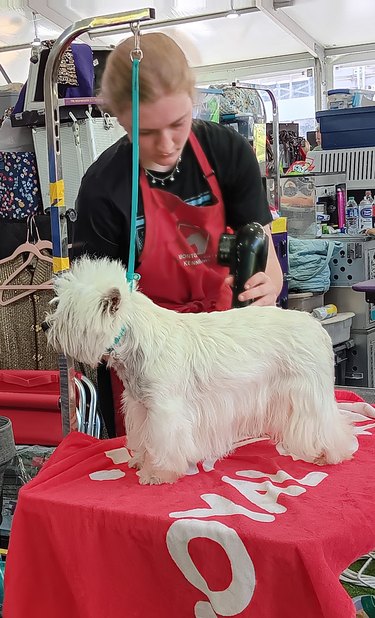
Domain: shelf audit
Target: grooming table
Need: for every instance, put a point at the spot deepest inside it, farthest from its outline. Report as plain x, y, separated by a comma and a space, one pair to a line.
368, 287
256, 535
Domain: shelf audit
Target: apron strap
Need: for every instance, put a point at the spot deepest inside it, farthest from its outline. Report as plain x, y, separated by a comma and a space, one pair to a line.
202, 160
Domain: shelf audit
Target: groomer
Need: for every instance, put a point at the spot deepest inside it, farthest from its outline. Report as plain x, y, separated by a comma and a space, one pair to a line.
196, 178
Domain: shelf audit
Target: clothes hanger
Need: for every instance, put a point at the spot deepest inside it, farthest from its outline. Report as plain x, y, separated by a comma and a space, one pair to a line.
33, 250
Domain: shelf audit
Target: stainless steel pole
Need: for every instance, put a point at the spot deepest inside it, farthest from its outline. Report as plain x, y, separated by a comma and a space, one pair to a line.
59, 229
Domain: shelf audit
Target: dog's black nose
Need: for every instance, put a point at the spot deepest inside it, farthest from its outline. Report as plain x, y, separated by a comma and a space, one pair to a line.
45, 326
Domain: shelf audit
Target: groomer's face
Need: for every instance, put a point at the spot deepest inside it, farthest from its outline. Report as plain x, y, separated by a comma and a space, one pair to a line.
164, 128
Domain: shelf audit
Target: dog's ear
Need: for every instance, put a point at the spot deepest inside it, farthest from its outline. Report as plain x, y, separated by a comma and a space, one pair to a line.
111, 301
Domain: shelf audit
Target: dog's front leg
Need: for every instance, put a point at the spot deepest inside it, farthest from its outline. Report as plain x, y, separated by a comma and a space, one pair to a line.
149, 474
135, 424
137, 459
169, 442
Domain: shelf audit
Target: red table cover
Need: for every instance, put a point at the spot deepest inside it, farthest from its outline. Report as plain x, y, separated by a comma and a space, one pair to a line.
31, 399
256, 535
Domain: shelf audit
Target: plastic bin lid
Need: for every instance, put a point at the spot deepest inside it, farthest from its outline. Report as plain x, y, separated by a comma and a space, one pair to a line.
340, 91
350, 111
340, 317
293, 295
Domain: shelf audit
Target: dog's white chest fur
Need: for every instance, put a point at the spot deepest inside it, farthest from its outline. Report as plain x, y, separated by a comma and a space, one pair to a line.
196, 383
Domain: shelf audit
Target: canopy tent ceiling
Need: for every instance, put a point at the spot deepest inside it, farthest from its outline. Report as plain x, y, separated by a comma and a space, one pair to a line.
300, 27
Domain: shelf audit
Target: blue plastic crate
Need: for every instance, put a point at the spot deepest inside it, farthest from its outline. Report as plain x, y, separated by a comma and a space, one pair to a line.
347, 128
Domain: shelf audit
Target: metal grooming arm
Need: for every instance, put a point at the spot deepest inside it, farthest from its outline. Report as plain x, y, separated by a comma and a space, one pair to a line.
275, 142
59, 230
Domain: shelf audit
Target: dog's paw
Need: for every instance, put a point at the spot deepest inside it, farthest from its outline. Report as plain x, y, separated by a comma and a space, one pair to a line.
321, 460
325, 460
148, 478
155, 477
136, 461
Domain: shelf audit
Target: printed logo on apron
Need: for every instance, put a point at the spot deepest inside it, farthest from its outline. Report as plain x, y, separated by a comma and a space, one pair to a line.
197, 237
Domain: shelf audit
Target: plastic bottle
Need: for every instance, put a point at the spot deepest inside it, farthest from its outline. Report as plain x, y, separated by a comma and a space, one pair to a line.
323, 313
352, 216
365, 211
340, 200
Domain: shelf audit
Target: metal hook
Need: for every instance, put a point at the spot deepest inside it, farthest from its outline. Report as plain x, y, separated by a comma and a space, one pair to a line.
136, 53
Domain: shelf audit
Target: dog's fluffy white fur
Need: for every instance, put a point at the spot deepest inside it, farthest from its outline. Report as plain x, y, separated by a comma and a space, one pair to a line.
194, 384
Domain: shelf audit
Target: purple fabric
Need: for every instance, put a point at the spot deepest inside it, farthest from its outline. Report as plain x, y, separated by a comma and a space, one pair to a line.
83, 60
18, 108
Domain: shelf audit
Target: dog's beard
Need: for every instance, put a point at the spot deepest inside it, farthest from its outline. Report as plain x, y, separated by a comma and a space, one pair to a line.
68, 334
87, 349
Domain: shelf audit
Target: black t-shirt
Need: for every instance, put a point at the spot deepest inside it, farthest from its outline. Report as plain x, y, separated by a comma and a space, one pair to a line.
104, 200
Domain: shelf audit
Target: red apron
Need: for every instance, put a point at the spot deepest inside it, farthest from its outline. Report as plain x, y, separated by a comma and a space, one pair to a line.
179, 267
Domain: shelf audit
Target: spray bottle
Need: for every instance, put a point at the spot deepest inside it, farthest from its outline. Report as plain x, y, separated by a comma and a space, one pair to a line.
340, 199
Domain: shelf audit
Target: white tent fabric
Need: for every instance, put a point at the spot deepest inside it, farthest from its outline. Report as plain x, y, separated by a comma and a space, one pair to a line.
263, 36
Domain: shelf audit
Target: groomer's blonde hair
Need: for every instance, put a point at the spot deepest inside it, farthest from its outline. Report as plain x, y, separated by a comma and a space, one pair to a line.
163, 70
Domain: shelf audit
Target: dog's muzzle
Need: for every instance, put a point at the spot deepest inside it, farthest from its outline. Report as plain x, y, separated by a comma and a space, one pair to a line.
45, 326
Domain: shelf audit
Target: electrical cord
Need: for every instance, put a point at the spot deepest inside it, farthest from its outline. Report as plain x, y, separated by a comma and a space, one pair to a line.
359, 578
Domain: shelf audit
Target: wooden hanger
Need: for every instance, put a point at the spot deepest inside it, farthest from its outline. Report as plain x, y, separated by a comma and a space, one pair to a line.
33, 250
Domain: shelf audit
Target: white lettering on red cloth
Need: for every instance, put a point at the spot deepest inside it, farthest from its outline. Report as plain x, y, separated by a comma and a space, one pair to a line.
237, 596
263, 495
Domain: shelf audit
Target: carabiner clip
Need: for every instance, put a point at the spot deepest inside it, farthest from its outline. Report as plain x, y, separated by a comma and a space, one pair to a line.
136, 53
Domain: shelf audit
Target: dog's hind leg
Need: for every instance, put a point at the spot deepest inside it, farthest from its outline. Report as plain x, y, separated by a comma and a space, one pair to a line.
316, 430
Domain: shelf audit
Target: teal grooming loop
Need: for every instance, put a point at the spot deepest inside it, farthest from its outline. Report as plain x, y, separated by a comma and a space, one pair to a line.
136, 57
59, 229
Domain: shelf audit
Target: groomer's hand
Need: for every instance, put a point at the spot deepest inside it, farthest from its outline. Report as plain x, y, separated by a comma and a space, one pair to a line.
259, 288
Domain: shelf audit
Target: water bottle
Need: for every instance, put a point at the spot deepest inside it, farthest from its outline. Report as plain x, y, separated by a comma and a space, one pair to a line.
365, 211
352, 217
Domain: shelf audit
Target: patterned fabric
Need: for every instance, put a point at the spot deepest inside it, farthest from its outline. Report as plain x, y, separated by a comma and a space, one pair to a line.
238, 100
19, 185
23, 344
67, 70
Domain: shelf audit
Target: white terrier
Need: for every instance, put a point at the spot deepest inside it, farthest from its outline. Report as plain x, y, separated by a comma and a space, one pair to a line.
194, 384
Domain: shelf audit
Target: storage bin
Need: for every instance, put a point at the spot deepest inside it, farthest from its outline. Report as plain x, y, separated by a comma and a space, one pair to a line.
345, 97
78, 151
340, 99
339, 326
347, 128
346, 299
207, 104
305, 301
298, 200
